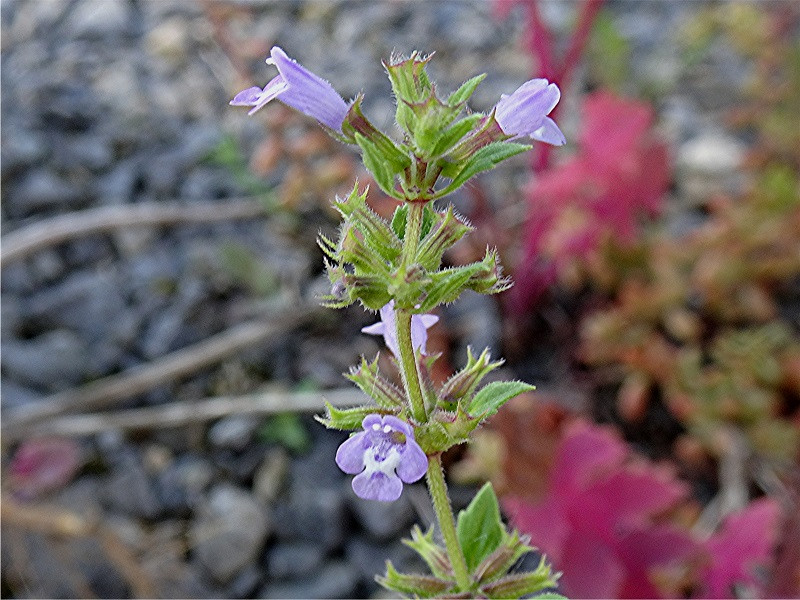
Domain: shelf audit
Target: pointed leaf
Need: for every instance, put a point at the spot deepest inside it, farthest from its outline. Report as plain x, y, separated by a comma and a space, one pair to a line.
466, 90
492, 396
347, 418
484, 159
421, 586
480, 530
453, 134
434, 555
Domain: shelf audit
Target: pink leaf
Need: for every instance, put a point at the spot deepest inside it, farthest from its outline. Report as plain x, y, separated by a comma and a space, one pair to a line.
744, 544
595, 522
590, 567
42, 465
585, 452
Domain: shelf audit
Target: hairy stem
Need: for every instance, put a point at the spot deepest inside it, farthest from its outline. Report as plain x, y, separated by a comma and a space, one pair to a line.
408, 361
408, 364
444, 513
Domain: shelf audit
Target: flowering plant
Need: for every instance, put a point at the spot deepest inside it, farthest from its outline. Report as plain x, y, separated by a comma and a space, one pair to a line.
395, 267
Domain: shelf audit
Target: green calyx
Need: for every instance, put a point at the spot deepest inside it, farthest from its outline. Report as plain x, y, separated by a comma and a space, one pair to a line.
366, 263
440, 137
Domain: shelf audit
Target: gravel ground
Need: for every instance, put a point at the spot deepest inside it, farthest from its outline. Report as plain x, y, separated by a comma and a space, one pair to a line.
112, 103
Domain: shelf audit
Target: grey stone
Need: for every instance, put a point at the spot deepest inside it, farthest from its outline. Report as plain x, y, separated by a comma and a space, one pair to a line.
369, 558
118, 185
293, 560
228, 531
130, 489
89, 302
46, 265
336, 580
40, 190
270, 476
15, 396
99, 18
234, 432
21, 148
88, 151
709, 164
382, 520
162, 333
313, 515
54, 360
245, 583
10, 314
183, 483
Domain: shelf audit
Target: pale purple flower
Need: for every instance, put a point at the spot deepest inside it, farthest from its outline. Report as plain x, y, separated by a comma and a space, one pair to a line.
382, 458
525, 112
299, 88
388, 329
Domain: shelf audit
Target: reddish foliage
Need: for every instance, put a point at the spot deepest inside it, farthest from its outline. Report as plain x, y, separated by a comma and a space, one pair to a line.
744, 544
42, 465
596, 523
599, 523
619, 174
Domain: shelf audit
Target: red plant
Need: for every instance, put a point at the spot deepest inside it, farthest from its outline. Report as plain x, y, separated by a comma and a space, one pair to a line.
744, 543
41, 465
602, 523
619, 174
596, 522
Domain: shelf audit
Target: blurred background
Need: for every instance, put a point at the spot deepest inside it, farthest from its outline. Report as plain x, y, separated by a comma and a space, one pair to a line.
163, 350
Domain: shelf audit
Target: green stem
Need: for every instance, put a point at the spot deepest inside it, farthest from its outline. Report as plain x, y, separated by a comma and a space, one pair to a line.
408, 360
444, 513
408, 364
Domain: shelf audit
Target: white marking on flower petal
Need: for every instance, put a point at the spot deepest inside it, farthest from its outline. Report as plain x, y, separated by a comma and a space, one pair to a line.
376, 426
386, 466
386, 429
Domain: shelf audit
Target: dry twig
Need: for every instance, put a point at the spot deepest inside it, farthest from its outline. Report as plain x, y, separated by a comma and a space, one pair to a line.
55, 521
115, 388
175, 414
23, 242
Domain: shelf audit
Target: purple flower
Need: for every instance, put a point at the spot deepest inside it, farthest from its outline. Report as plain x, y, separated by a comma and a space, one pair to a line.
382, 458
525, 112
388, 329
299, 88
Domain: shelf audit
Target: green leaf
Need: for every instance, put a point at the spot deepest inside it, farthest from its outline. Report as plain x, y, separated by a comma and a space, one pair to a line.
432, 553
480, 530
376, 163
447, 286
419, 586
466, 90
399, 219
492, 396
463, 383
484, 159
451, 136
347, 418
518, 585
499, 562
368, 378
